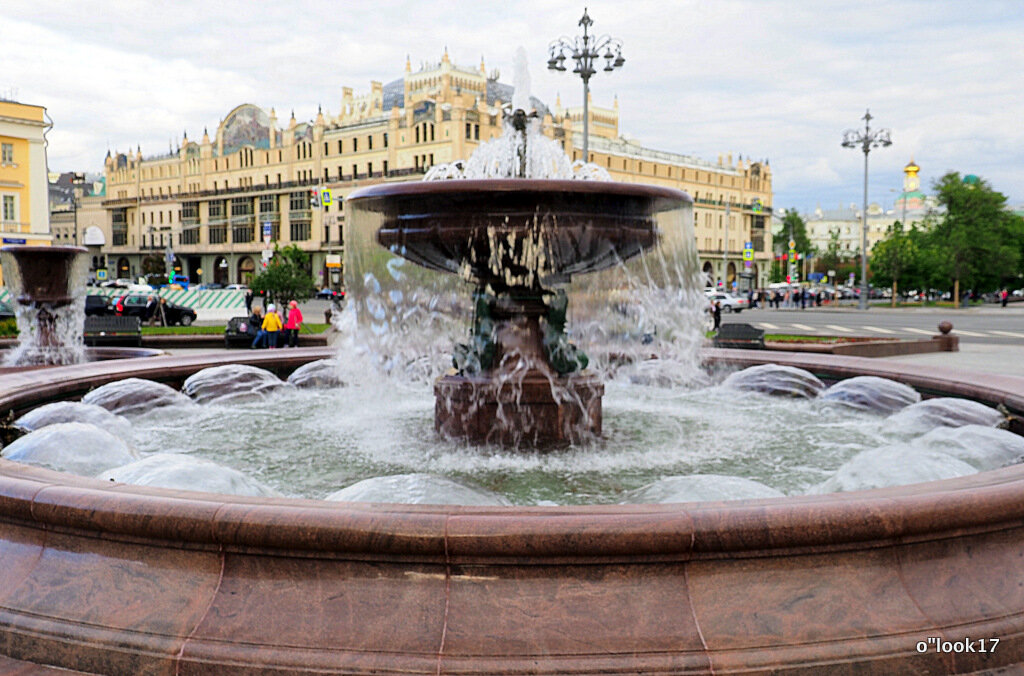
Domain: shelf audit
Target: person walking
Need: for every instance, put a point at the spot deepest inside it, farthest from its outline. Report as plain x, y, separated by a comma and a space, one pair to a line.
1005, 297
248, 301
256, 324
272, 325
293, 323
151, 310
716, 313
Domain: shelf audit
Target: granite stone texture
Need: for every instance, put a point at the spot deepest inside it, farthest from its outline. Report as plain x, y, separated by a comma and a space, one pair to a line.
105, 578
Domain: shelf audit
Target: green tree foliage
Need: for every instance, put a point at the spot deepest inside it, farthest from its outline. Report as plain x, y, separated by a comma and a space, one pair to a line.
832, 257
286, 277
973, 243
893, 257
794, 225
977, 243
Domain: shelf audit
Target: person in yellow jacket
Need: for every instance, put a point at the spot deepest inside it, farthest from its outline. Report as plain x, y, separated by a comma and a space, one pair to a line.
272, 325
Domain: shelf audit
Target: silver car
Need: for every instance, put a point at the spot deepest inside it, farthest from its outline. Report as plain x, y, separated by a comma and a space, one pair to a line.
730, 303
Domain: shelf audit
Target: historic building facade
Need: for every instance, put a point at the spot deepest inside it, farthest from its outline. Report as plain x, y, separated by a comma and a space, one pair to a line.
24, 212
845, 222
212, 201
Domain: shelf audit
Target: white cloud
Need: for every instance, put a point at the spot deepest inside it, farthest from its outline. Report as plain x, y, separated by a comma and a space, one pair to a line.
776, 79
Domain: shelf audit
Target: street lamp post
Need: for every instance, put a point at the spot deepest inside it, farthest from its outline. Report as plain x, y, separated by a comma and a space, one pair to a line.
866, 140
584, 51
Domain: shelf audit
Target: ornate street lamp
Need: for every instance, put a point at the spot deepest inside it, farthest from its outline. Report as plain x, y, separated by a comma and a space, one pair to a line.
585, 51
865, 140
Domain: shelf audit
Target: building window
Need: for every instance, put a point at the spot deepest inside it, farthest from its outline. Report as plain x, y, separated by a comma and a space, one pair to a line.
298, 201
339, 146
10, 212
385, 139
355, 145
369, 142
218, 234
385, 170
189, 236
469, 131
300, 231
7, 153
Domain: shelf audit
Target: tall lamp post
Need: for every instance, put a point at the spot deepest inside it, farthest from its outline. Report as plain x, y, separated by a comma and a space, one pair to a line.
585, 51
866, 140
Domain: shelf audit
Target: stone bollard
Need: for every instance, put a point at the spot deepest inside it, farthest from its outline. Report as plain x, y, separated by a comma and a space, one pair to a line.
947, 342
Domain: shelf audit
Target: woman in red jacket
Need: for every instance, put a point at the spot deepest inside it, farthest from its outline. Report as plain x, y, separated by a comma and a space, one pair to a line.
291, 326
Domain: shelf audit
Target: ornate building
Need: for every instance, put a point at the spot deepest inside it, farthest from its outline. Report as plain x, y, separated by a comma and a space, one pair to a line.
911, 206
24, 214
213, 200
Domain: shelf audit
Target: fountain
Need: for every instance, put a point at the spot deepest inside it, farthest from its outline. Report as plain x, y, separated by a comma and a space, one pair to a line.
48, 286
105, 577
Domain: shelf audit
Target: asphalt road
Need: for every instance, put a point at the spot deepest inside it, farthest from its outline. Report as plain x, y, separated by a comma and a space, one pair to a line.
989, 324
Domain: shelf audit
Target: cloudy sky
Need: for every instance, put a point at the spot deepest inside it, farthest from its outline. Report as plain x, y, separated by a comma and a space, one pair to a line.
768, 79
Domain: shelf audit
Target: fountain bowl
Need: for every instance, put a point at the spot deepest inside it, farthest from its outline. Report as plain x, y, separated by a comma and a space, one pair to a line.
44, 272
105, 578
447, 225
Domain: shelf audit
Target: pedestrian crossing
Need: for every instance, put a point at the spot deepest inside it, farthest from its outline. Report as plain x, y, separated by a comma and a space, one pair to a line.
891, 332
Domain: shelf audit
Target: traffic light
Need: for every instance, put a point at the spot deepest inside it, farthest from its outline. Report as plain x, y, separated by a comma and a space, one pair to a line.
314, 197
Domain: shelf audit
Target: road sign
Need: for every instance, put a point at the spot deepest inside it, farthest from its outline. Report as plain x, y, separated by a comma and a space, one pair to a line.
333, 260
101, 275
792, 244
748, 254
325, 197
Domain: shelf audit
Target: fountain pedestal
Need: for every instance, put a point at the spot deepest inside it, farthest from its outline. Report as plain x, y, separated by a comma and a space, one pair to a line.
521, 399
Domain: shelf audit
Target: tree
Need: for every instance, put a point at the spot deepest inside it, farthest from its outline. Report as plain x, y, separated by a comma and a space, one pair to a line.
892, 257
286, 276
977, 242
833, 255
793, 227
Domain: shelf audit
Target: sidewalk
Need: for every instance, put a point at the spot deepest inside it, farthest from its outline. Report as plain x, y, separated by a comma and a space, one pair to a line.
1007, 360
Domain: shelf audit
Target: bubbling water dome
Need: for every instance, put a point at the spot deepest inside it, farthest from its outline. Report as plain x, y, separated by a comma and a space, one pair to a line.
518, 222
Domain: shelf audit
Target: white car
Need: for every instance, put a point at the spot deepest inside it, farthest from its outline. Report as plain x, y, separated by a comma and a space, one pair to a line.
730, 303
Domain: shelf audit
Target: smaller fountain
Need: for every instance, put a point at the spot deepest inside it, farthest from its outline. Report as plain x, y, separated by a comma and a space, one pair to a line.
47, 284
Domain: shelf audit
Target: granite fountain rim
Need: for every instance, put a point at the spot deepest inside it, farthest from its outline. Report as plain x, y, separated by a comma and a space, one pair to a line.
978, 503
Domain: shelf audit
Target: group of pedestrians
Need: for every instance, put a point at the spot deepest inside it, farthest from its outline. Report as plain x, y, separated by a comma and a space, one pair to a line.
273, 324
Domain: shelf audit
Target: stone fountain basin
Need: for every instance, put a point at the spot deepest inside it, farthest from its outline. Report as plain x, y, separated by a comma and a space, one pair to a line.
110, 578
476, 227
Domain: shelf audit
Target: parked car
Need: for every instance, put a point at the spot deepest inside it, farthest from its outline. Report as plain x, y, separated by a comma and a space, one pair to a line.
97, 306
134, 305
237, 287
330, 294
730, 303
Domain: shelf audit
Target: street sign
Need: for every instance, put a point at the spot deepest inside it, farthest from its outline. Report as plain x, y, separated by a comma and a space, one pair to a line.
748, 254
101, 275
333, 260
325, 197
792, 244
